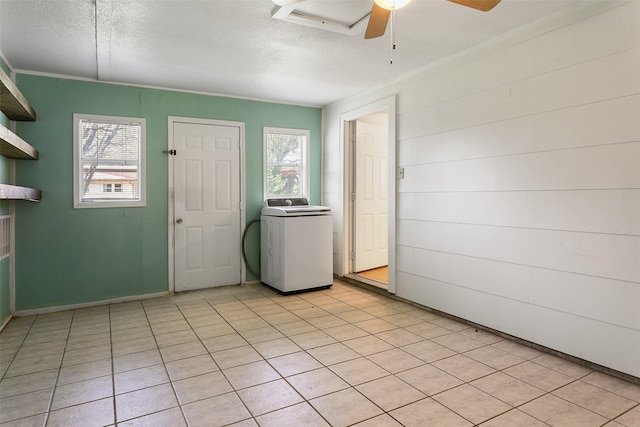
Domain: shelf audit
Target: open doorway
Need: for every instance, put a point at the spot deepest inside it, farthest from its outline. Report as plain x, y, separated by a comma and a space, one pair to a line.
369, 197
386, 182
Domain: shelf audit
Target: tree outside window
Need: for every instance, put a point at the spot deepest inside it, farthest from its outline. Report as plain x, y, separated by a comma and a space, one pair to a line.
286, 162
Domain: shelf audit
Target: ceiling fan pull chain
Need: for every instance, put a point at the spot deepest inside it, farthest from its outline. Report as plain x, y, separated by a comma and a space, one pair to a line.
393, 38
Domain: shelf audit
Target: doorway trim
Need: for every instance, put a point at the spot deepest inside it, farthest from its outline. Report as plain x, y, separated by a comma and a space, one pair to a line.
386, 104
171, 120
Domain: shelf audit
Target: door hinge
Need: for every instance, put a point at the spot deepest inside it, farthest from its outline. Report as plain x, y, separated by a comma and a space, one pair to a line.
169, 152
353, 197
352, 255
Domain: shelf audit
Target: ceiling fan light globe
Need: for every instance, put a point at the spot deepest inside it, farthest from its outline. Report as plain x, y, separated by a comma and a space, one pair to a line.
391, 4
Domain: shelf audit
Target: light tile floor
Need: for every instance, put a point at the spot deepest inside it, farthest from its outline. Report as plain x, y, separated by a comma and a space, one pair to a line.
246, 356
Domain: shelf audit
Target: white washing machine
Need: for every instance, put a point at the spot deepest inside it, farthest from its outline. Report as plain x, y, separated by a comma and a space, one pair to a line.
296, 249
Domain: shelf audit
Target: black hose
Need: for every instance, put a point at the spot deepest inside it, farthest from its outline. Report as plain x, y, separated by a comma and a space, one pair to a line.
244, 252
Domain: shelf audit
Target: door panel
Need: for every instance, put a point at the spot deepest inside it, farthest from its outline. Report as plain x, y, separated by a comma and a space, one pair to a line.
206, 205
371, 189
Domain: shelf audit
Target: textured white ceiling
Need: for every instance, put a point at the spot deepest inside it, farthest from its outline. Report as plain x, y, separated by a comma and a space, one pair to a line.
235, 47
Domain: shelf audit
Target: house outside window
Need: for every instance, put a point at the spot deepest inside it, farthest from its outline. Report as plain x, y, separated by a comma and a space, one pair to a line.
286, 162
112, 187
109, 161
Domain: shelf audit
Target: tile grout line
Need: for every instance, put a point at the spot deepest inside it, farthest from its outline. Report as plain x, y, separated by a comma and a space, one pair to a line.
116, 421
303, 350
304, 399
328, 367
389, 374
55, 384
210, 355
273, 367
637, 406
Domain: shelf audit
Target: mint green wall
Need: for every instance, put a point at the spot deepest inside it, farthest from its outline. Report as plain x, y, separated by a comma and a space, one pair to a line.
68, 256
4, 210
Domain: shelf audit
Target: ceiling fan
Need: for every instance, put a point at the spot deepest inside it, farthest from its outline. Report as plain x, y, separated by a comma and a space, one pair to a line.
382, 10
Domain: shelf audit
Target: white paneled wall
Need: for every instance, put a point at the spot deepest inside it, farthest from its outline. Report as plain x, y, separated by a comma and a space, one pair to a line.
520, 206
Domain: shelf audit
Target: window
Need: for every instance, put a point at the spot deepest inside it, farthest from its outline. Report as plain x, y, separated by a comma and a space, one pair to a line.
108, 161
108, 188
286, 163
5, 236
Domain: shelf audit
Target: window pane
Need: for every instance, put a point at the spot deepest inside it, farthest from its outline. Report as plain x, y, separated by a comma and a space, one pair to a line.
284, 149
110, 154
285, 162
283, 180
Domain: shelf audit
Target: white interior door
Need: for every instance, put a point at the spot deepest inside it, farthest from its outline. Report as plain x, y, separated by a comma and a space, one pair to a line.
206, 205
371, 185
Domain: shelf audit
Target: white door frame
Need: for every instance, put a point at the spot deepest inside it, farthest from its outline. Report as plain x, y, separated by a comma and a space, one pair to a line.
170, 146
388, 104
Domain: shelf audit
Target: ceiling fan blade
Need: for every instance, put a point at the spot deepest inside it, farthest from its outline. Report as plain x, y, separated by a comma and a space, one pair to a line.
377, 22
483, 5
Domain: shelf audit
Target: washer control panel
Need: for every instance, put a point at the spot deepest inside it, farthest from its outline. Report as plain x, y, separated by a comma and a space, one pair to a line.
295, 201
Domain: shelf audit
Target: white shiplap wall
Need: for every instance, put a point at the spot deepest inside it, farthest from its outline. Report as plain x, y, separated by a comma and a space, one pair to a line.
520, 207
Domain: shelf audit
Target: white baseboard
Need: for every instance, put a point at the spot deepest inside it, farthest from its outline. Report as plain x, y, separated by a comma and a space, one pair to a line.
23, 313
6, 322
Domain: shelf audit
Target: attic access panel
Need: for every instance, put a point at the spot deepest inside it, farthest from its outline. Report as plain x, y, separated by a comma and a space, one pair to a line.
344, 17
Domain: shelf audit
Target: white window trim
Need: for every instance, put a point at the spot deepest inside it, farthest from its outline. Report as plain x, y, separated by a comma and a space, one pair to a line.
306, 164
78, 203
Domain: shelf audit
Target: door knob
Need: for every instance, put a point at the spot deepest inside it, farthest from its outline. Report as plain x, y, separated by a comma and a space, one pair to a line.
178, 220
